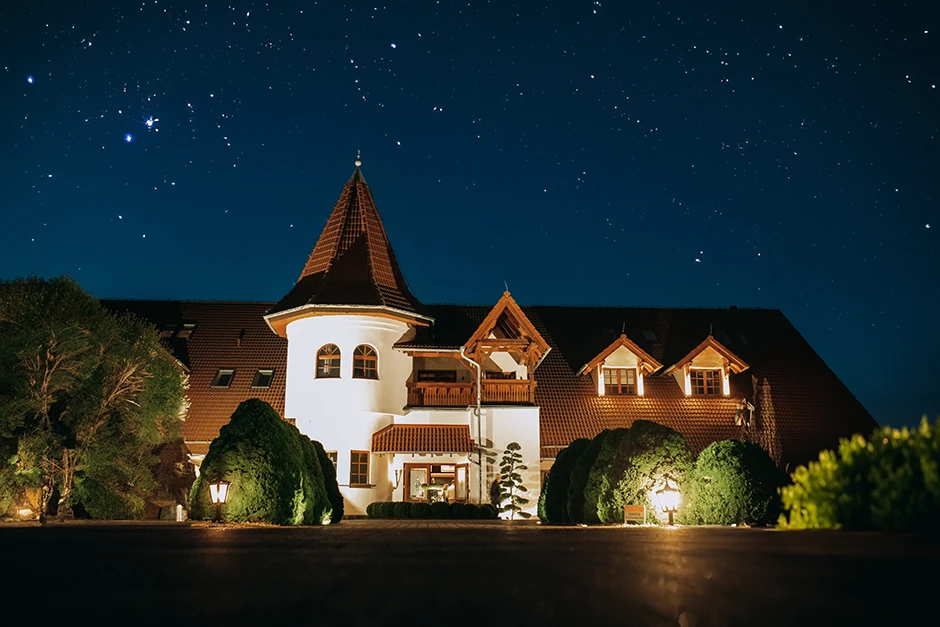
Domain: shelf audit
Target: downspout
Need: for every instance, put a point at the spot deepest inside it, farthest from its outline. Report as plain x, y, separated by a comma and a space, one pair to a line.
479, 422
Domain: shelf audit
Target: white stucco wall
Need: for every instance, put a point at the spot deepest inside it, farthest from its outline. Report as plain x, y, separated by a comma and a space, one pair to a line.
343, 413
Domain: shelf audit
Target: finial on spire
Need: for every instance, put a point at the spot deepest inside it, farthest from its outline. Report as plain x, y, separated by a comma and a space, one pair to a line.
358, 159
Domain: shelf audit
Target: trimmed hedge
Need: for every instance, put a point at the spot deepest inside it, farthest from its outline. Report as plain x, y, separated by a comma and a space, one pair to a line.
732, 482
579, 476
890, 482
630, 464
431, 511
275, 472
553, 501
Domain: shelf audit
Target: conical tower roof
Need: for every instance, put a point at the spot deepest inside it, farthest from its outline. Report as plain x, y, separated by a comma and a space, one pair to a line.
353, 264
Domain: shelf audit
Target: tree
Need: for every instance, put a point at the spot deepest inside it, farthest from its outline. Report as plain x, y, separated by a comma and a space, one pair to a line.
732, 482
275, 472
85, 395
511, 485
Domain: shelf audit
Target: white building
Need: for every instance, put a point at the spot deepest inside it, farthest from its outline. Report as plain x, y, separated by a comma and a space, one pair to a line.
408, 399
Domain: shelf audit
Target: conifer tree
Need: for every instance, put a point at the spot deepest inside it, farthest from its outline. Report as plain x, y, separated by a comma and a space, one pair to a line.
511, 487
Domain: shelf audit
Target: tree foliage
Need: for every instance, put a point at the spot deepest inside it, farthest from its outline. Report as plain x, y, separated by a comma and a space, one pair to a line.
732, 482
85, 396
275, 472
511, 486
890, 481
553, 501
629, 466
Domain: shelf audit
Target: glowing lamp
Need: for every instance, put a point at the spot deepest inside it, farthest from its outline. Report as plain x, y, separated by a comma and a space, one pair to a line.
218, 492
668, 500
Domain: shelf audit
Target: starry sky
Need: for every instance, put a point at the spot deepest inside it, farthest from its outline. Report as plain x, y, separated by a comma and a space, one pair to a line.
779, 155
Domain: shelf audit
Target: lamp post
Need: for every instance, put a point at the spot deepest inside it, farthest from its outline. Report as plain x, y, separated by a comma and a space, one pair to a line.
668, 499
218, 491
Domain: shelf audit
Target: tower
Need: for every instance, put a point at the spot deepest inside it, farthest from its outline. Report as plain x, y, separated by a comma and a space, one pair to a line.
349, 307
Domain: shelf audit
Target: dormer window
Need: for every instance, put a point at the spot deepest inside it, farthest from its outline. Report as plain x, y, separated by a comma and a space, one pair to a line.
223, 378
707, 369
328, 362
365, 363
706, 382
620, 381
262, 380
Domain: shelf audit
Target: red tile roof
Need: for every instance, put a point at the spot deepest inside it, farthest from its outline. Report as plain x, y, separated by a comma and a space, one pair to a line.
422, 439
802, 406
353, 262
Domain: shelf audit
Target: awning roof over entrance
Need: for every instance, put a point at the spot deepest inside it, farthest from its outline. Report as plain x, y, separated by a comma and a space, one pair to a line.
422, 439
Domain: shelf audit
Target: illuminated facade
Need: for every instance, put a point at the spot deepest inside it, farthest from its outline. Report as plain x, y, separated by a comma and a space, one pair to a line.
416, 402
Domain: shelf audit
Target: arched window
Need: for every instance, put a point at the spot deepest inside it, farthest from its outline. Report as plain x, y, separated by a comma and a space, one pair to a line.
328, 359
365, 363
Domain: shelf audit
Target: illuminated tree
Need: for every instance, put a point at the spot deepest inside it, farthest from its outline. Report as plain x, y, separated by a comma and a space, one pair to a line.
511, 487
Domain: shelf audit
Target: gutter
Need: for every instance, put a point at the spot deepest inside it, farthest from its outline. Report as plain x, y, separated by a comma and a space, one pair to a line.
478, 412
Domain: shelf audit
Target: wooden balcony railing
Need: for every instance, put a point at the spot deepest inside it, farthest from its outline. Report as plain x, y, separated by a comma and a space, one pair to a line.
495, 391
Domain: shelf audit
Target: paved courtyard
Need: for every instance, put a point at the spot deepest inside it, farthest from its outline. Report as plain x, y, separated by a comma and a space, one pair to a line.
464, 573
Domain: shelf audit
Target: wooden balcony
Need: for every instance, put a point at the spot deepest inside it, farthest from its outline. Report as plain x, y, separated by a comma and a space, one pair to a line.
495, 391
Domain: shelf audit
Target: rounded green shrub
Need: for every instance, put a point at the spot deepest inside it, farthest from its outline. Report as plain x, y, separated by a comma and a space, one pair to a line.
274, 472
386, 510
402, 510
579, 477
553, 501
370, 510
732, 482
629, 466
440, 510
329, 480
421, 510
473, 511
458, 511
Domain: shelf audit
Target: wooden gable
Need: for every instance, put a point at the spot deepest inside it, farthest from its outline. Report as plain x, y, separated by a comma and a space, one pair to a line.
735, 363
507, 328
646, 361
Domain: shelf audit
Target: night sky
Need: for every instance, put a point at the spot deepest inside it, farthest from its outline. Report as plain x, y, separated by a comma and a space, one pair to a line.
592, 153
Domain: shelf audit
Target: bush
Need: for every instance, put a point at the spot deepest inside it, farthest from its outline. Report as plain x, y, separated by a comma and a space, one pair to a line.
732, 482
440, 510
579, 477
402, 510
473, 511
370, 510
488, 511
629, 466
275, 473
386, 510
889, 482
100, 503
553, 501
458, 510
332, 486
420, 510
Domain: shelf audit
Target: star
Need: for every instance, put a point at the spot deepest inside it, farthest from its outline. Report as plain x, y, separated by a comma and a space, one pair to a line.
128, 138
29, 79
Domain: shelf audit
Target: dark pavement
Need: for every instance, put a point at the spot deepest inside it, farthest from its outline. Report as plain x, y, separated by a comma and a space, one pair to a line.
427, 573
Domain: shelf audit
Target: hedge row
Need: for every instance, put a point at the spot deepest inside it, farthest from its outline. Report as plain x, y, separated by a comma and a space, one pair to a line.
591, 480
437, 511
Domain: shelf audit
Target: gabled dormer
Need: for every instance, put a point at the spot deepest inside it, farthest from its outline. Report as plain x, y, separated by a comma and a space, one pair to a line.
506, 344
619, 369
706, 370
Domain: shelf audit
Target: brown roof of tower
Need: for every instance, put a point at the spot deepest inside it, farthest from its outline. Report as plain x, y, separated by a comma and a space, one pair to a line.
353, 262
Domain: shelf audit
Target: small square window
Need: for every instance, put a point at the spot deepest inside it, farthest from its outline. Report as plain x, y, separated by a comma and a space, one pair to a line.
334, 456
223, 378
706, 382
620, 381
262, 380
187, 330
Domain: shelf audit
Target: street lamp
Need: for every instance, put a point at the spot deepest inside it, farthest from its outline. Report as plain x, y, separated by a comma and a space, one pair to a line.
218, 491
668, 499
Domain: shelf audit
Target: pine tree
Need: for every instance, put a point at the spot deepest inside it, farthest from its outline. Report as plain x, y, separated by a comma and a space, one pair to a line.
511, 483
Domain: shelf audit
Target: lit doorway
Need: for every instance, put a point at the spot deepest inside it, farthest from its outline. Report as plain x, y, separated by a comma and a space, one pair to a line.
436, 482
